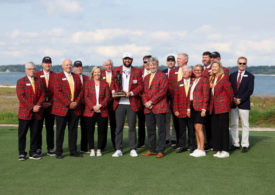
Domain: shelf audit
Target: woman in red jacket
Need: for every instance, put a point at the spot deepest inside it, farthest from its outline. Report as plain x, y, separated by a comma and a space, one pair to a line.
219, 108
96, 95
199, 98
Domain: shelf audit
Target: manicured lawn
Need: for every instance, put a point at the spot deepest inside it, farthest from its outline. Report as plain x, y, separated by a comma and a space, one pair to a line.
250, 173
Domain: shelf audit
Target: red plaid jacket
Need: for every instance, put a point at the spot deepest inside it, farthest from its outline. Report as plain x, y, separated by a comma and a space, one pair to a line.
181, 101
28, 99
135, 86
62, 95
85, 79
90, 98
49, 91
201, 94
172, 84
157, 93
111, 100
221, 101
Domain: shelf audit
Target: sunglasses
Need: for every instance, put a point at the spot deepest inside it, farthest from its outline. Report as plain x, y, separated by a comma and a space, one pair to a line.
242, 63
145, 62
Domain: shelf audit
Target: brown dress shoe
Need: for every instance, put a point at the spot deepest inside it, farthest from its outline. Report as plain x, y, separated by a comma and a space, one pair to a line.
149, 153
160, 155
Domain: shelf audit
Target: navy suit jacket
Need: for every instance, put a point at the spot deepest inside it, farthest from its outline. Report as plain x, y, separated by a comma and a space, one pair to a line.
245, 90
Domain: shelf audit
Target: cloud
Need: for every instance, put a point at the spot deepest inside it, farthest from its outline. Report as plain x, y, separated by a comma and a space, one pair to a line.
62, 6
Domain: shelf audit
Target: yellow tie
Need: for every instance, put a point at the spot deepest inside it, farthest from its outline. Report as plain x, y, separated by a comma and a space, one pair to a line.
70, 80
151, 79
186, 87
147, 72
108, 78
33, 86
81, 79
47, 80
179, 74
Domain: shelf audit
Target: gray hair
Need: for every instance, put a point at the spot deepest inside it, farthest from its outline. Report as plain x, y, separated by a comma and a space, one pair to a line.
185, 55
28, 64
187, 67
153, 59
198, 65
108, 60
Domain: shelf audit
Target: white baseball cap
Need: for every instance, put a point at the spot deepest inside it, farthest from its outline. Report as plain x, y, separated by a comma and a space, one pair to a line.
127, 55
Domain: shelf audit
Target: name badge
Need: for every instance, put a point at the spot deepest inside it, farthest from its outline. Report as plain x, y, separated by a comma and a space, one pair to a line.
104, 77
64, 79
245, 75
181, 85
176, 72
135, 81
28, 84
42, 76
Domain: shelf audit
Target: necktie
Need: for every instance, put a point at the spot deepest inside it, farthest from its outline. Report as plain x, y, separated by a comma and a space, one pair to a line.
147, 72
81, 79
179, 74
47, 80
151, 79
33, 86
108, 78
239, 80
70, 80
186, 87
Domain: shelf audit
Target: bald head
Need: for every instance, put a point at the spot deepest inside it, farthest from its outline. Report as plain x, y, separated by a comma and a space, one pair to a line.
67, 65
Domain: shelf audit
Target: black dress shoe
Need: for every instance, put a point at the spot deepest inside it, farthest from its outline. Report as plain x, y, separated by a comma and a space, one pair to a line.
58, 156
76, 154
245, 149
232, 148
182, 150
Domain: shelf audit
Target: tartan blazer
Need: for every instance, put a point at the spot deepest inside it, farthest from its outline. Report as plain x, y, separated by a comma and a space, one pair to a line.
135, 86
172, 84
181, 100
201, 94
207, 72
90, 98
111, 100
62, 95
85, 79
222, 99
157, 93
28, 99
49, 91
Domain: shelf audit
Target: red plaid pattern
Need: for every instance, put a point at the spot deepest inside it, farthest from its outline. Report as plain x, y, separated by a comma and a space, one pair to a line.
28, 99
135, 87
172, 84
222, 98
157, 93
201, 94
49, 92
90, 98
206, 73
181, 101
85, 79
62, 95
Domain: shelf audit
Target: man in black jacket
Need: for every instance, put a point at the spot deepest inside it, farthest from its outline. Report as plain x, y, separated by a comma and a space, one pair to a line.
243, 85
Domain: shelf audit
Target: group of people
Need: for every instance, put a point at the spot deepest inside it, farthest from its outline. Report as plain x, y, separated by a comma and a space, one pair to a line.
198, 100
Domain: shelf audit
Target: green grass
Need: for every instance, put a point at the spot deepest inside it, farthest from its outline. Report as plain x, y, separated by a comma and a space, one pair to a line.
250, 173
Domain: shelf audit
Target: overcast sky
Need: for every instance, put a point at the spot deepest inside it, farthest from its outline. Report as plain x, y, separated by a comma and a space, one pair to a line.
95, 30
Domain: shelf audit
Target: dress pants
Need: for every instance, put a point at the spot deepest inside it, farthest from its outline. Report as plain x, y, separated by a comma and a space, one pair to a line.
141, 127
237, 113
220, 131
49, 123
84, 136
112, 118
101, 126
23, 127
183, 124
153, 120
121, 111
61, 123
168, 127
207, 129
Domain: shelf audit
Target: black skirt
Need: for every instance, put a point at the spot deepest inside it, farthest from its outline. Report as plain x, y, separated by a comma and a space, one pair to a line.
196, 115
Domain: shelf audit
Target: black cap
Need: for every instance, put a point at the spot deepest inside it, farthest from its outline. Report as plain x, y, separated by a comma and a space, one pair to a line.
171, 58
77, 63
47, 59
215, 54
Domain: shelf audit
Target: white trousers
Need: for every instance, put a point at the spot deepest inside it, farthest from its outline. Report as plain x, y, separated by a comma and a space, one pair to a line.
237, 113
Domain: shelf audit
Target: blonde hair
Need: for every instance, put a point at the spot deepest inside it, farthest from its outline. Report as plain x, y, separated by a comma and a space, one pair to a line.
221, 71
92, 72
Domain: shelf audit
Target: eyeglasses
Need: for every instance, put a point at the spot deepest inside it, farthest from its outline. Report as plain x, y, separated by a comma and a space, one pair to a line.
145, 62
242, 63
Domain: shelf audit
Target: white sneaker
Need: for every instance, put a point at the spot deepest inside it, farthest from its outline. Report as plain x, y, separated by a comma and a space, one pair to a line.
217, 154
98, 153
202, 153
92, 153
133, 153
223, 154
117, 153
194, 153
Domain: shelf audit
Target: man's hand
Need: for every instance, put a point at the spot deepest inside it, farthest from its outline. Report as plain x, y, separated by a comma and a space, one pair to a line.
237, 101
73, 105
128, 94
36, 108
113, 94
177, 113
97, 108
149, 105
203, 113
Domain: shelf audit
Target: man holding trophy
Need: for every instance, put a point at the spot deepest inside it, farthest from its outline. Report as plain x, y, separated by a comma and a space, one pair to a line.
126, 87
